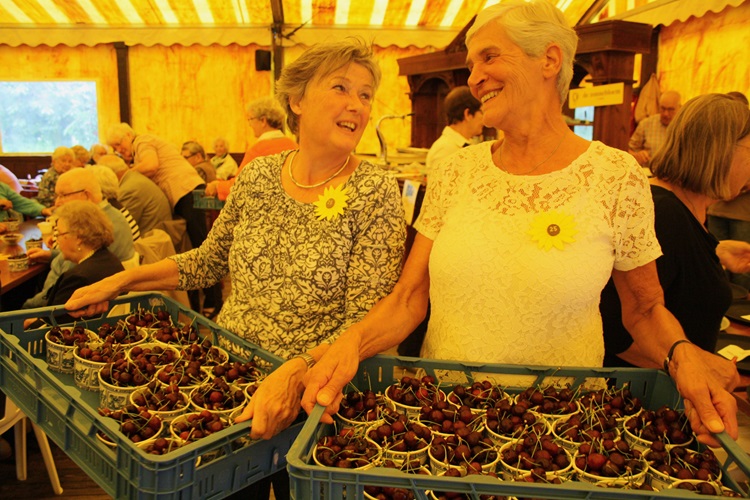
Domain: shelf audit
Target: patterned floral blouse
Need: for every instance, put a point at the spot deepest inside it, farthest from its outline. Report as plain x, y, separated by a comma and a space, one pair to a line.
298, 281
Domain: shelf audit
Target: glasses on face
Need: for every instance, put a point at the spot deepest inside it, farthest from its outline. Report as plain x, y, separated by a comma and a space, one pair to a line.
189, 156
63, 234
65, 195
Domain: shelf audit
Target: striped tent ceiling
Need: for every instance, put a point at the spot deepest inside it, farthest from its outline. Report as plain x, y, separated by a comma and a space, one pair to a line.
148, 22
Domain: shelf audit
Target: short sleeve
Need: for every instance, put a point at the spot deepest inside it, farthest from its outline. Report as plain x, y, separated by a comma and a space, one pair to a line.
441, 187
635, 238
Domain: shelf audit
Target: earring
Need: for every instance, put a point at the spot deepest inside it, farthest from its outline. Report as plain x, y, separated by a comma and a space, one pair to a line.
79, 248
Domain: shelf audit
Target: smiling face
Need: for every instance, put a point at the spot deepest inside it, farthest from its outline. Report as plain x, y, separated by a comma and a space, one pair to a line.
336, 108
502, 76
125, 147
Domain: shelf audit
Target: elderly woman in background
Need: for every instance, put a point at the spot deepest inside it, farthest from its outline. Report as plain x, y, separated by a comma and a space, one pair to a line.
97, 151
706, 158
266, 118
196, 156
222, 161
518, 237
312, 237
109, 184
82, 155
63, 159
83, 234
162, 162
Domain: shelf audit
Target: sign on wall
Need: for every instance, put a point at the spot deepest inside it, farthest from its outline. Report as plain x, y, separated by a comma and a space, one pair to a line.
600, 95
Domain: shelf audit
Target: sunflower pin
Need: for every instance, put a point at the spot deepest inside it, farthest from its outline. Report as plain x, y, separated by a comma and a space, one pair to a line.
553, 229
331, 203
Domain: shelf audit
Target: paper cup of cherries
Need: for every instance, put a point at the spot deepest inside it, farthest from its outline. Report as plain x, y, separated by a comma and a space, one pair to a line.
218, 396
534, 451
236, 372
479, 396
410, 393
473, 470
665, 424
187, 375
604, 461
508, 420
165, 401
583, 427
349, 449
137, 424
168, 333
117, 380
89, 358
461, 451
551, 402
61, 343
205, 353
121, 333
402, 441
374, 492
359, 409
667, 466
445, 419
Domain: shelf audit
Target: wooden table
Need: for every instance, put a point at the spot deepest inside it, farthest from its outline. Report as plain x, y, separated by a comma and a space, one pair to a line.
9, 280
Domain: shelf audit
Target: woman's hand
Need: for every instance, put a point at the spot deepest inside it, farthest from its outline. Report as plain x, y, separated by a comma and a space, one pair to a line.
734, 255
93, 299
705, 383
5, 204
325, 382
211, 188
275, 405
47, 212
39, 255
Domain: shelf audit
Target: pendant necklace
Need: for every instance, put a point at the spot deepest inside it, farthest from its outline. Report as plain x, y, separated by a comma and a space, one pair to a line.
500, 159
311, 186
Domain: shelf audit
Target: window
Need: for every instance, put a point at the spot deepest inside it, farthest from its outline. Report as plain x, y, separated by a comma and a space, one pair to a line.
585, 114
37, 117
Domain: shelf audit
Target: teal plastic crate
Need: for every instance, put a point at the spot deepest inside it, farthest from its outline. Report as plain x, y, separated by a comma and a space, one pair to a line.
310, 481
69, 417
200, 200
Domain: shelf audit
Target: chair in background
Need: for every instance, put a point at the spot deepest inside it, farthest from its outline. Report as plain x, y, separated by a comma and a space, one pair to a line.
16, 419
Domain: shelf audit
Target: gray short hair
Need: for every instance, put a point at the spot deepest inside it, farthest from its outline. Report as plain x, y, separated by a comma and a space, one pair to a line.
114, 163
268, 108
317, 62
63, 151
108, 181
533, 25
194, 148
80, 178
115, 133
88, 222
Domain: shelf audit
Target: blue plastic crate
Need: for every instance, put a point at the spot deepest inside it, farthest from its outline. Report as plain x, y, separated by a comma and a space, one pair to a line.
200, 200
68, 415
310, 481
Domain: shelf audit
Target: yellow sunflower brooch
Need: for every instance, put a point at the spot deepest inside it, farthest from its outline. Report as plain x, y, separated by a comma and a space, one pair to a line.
553, 229
331, 203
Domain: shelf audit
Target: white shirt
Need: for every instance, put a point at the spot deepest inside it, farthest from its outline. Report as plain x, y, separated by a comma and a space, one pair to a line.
448, 143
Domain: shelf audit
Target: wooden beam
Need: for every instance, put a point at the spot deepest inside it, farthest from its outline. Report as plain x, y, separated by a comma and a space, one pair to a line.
123, 81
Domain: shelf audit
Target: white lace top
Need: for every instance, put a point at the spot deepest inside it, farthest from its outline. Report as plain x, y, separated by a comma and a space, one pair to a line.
498, 294
297, 280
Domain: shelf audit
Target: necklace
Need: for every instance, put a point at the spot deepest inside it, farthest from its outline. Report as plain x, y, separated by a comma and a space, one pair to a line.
500, 159
310, 186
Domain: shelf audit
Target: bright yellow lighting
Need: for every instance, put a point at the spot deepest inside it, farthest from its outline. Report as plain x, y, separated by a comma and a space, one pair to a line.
204, 11
342, 12
415, 12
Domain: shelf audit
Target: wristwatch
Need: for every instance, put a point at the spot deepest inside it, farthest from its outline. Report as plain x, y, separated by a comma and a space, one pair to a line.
309, 360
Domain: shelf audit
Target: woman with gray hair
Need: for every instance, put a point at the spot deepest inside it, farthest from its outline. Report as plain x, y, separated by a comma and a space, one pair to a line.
518, 237
222, 161
266, 118
83, 235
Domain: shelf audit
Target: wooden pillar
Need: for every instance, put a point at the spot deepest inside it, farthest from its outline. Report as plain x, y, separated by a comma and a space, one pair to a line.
123, 81
607, 50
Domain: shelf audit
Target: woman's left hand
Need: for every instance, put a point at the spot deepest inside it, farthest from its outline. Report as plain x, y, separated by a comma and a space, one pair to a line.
734, 255
276, 403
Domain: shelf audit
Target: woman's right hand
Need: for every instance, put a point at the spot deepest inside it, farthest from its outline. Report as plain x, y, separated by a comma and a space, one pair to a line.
325, 382
39, 255
94, 299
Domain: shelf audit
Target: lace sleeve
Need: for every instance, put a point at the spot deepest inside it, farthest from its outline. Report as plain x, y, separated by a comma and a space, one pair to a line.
442, 183
378, 250
635, 237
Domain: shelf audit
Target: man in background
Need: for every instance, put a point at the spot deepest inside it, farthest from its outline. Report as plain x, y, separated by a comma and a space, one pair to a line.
464, 114
651, 132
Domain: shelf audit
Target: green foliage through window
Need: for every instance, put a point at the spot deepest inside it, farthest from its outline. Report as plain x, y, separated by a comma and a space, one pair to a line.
37, 117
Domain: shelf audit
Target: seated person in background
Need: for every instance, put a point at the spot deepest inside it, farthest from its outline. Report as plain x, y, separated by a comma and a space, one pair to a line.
9, 178
730, 220
108, 182
10, 200
83, 234
266, 118
196, 156
464, 113
78, 184
651, 132
82, 155
97, 151
144, 200
706, 157
63, 159
222, 161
